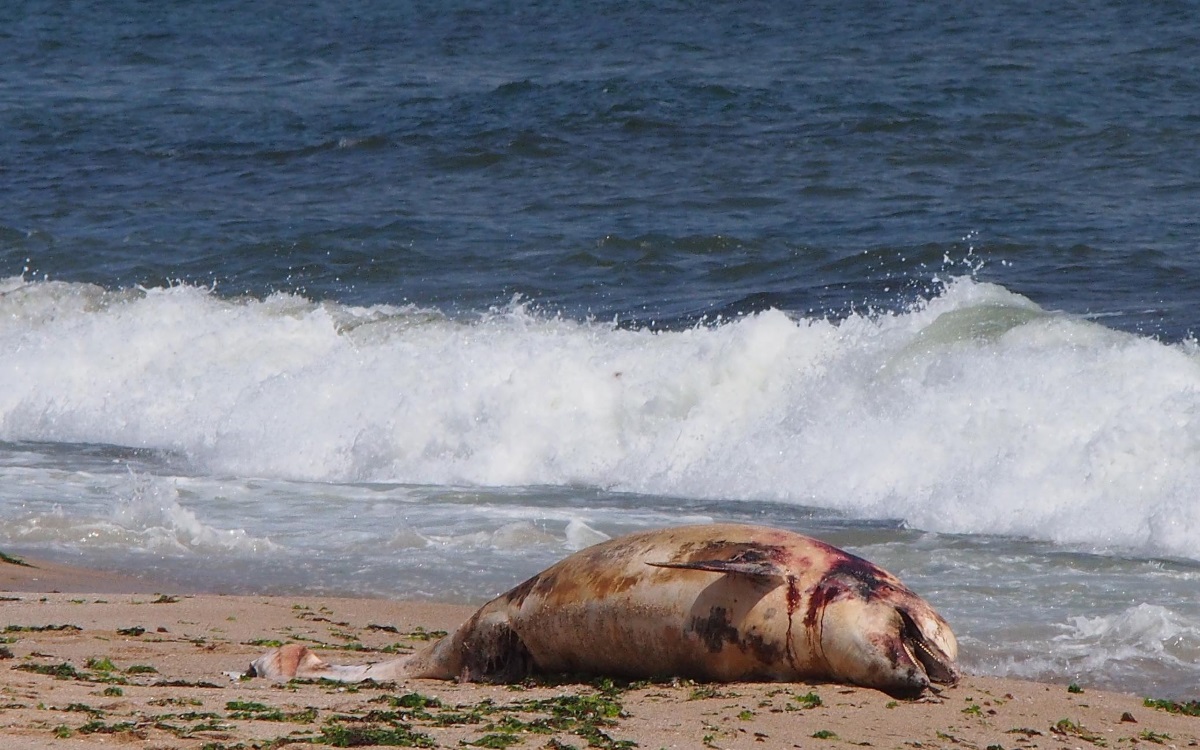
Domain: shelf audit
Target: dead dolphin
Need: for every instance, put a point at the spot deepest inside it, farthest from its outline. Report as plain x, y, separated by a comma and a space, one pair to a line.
723, 602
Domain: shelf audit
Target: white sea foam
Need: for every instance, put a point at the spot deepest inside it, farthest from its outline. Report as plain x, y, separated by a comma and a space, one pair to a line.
580, 535
153, 512
121, 511
975, 412
1148, 645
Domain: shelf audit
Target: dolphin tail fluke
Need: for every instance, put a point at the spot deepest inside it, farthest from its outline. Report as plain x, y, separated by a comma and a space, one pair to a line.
297, 662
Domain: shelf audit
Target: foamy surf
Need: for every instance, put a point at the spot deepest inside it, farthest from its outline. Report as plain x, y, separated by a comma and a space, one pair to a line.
974, 412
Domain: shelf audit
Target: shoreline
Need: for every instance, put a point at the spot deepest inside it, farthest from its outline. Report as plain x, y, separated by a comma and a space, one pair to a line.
27, 574
135, 664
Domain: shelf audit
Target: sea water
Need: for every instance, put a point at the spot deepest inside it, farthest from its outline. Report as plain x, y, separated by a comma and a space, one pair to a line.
413, 300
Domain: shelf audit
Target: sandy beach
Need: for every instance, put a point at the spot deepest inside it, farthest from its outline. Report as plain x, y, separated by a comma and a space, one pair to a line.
94, 660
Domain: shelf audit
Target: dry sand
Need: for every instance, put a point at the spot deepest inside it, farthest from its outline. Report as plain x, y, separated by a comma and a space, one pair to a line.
93, 660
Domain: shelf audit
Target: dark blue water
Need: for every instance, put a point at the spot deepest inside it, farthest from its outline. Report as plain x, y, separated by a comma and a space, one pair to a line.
653, 160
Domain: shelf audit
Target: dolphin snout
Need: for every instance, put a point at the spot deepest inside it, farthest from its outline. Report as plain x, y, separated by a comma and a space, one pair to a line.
930, 651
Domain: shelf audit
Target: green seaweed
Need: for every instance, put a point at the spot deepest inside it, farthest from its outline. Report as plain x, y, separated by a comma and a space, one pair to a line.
262, 712
101, 664
14, 561
99, 727
83, 707
41, 628
1074, 729
337, 735
1187, 708
265, 642
185, 683
421, 634
62, 671
495, 740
